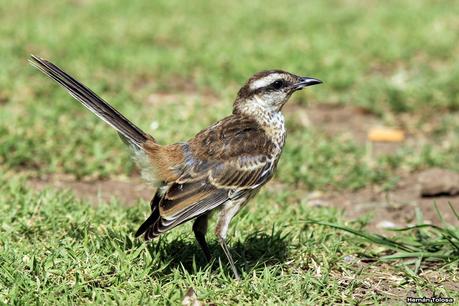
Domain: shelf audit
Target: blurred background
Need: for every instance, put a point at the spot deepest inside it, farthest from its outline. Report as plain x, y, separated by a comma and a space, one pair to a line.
175, 67
390, 59
373, 138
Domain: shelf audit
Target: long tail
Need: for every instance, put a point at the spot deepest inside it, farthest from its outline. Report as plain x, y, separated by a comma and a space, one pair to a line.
94, 103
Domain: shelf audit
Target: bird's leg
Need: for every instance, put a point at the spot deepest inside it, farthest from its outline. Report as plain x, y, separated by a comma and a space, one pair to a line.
228, 255
226, 214
200, 229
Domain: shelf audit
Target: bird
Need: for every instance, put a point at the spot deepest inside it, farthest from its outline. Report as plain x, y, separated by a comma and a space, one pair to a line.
220, 169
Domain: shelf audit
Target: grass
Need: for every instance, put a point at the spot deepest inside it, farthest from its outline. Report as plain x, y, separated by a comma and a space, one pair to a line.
166, 47
58, 250
427, 242
182, 65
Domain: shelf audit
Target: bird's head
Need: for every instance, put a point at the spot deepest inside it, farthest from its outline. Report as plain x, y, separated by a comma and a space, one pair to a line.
268, 91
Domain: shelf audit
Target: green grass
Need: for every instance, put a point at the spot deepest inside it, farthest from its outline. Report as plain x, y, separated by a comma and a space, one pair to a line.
367, 54
58, 250
428, 242
396, 60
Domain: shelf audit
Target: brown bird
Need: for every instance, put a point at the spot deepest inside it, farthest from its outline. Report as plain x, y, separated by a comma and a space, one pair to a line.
222, 167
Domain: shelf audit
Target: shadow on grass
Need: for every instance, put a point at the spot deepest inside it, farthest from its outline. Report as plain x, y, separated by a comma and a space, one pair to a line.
257, 250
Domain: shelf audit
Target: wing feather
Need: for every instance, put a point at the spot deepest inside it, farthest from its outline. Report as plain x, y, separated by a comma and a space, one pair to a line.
227, 161
186, 200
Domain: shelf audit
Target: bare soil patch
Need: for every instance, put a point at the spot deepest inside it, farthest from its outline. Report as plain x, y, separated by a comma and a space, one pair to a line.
126, 191
334, 119
394, 208
342, 120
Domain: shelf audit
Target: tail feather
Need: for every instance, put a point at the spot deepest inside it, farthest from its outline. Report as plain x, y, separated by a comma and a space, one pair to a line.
154, 217
93, 102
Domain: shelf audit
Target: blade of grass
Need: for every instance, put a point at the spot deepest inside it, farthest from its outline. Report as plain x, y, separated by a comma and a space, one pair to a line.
453, 210
371, 237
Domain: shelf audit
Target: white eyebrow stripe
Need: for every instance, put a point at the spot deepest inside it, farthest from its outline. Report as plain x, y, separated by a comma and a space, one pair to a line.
265, 81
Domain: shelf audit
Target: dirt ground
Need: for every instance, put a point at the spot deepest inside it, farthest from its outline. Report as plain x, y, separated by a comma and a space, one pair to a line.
395, 208
389, 209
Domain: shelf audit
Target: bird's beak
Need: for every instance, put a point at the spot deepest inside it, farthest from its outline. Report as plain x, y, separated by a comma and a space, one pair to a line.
305, 82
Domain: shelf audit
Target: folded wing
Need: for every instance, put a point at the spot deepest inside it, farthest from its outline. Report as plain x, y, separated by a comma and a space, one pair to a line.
221, 170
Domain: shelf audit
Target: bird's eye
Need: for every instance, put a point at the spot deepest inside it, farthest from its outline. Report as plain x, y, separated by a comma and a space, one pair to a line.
278, 84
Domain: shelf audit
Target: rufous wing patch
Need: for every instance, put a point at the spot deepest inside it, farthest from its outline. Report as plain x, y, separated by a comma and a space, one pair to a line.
167, 160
